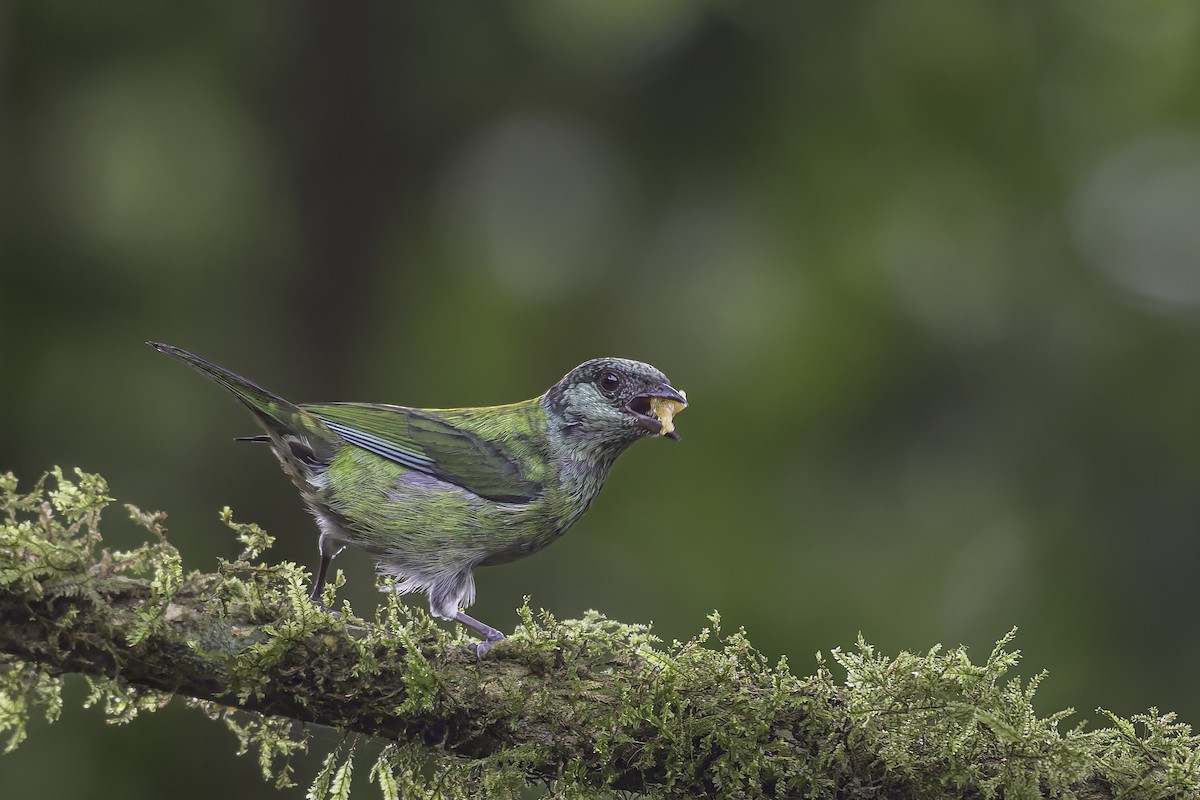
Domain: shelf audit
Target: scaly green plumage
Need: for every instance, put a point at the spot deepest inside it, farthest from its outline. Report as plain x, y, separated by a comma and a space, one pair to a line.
434, 493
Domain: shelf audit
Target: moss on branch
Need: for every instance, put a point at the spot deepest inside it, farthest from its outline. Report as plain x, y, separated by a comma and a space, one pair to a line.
583, 706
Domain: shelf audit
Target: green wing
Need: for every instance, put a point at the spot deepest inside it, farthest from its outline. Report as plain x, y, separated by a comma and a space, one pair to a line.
423, 441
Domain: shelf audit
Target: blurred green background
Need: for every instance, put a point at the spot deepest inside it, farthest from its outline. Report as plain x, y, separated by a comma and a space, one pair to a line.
929, 272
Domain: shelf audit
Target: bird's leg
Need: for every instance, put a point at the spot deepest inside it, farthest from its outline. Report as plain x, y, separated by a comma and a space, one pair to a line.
327, 555
319, 583
490, 634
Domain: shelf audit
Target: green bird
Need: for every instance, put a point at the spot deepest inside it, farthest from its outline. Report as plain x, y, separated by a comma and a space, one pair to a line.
432, 494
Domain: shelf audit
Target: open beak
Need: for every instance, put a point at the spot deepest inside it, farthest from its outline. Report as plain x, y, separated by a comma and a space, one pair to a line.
640, 407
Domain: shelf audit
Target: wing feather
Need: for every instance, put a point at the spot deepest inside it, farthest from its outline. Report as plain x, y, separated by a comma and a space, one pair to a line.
422, 440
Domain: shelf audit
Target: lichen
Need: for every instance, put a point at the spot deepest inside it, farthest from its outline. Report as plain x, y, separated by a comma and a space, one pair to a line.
121, 702
581, 708
23, 688
275, 739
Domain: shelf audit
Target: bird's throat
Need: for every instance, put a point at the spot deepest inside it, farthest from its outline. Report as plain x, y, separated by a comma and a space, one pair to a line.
583, 466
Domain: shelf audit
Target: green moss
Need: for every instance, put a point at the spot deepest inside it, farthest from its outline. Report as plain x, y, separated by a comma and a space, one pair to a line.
583, 708
274, 739
23, 688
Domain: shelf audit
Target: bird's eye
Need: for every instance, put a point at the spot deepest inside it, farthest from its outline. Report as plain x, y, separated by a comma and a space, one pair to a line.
608, 381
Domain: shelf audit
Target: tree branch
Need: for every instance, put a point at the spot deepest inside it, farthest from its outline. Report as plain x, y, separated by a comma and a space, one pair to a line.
589, 704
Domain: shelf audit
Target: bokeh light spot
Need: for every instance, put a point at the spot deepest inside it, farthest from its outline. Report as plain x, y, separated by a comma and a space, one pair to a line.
1136, 219
538, 201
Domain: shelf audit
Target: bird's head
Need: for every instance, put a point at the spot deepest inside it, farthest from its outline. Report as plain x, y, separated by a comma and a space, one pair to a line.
614, 401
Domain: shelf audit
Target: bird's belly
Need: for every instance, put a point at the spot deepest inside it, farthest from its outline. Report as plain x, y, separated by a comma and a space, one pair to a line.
521, 547
403, 515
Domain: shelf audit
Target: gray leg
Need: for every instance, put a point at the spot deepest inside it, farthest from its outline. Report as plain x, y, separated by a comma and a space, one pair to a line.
490, 634
319, 583
327, 555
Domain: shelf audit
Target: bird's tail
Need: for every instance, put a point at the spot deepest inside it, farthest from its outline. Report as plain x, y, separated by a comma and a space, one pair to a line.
281, 419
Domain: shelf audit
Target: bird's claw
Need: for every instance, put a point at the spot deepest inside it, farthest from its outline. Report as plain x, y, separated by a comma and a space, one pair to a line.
481, 649
319, 603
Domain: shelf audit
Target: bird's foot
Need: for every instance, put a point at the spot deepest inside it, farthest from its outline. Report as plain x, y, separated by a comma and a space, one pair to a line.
481, 649
490, 635
319, 603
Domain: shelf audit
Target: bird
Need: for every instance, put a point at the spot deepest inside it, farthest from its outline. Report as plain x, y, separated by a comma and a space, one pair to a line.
431, 494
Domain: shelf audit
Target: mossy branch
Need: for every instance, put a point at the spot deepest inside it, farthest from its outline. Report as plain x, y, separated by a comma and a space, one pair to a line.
582, 706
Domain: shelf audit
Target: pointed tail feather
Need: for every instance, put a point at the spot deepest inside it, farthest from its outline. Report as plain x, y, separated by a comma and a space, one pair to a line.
278, 417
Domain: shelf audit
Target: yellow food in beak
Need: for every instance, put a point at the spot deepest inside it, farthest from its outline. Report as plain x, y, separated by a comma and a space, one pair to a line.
665, 409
